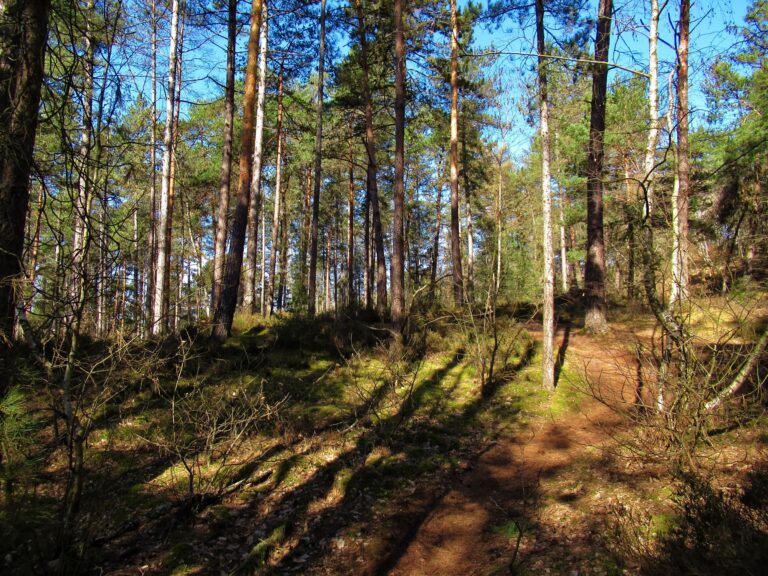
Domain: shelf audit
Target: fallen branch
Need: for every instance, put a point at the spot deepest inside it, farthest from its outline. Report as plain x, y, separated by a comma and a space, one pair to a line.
741, 378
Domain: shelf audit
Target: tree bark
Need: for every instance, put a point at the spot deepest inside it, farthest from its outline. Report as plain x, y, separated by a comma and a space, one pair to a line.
225, 313
351, 296
372, 185
548, 329
23, 33
398, 255
594, 279
277, 198
436, 236
653, 107
318, 167
160, 297
458, 277
220, 232
680, 278
151, 272
257, 197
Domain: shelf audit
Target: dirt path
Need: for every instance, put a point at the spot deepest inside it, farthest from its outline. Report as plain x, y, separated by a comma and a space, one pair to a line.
530, 500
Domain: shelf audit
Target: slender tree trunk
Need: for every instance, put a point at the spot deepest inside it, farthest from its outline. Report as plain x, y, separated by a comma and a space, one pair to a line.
151, 268
220, 231
372, 171
82, 201
653, 107
160, 297
281, 297
277, 199
458, 276
436, 236
367, 268
225, 313
630, 221
327, 285
257, 197
468, 204
263, 280
680, 280
351, 296
563, 245
548, 353
318, 166
594, 279
499, 231
306, 236
398, 254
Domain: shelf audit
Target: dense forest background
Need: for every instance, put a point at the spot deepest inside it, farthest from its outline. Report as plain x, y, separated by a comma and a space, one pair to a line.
227, 227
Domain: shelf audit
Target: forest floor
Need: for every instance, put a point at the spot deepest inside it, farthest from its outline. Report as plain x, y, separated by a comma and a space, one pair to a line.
292, 450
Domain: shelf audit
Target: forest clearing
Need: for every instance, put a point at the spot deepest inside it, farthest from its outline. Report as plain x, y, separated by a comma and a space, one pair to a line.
372, 287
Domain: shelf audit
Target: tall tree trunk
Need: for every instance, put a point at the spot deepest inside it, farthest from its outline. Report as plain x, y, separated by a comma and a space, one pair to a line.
497, 216
160, 297
220, 231
594, 277
306, 234
255, 205
563, 244
23, 33
151, 272
680, 278
277, 199
458, 276
629, 217
372, 171
398, 255
351, 296
468, 206
367, 266
318, 167
281, 293
653, 108
436, 236
225, 313
263, 280
548, 353
82, 201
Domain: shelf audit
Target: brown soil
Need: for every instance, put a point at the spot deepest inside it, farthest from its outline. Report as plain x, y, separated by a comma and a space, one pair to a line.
530, 501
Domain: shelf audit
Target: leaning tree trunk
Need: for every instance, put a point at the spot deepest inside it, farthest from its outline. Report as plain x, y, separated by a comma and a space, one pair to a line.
225, 313
220, 233
458, 278
548, 354
594, 277
398, 255
318, 167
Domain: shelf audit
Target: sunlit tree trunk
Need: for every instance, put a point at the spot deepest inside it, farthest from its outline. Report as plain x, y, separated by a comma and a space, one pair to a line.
470, 227
160, 297
225, 313
653, 108
548, 304
680, 278
277, 197
318, 166
220, 229
257, 197
151, 266
458, 277
436, 235
594, 278
398, 254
